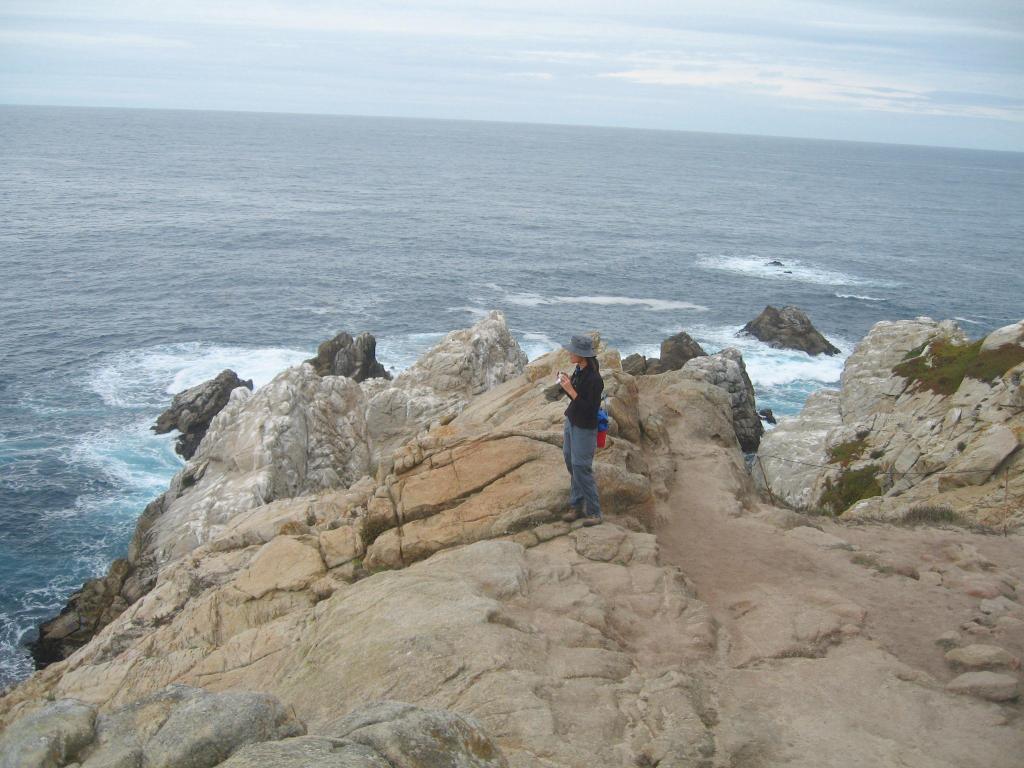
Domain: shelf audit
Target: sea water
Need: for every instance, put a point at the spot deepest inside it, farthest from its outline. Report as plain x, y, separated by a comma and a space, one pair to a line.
141, 252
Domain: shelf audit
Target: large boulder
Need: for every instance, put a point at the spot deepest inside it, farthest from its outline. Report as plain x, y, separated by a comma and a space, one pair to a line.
345, 356
50, 737
727, 371
177, 727
192, 410
789, 328
387, 734
677, 350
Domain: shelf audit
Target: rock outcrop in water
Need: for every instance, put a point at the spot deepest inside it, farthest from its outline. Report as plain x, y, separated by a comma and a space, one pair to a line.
789, 328
926, 423
676, 351
685, 630
345, 356
192, 410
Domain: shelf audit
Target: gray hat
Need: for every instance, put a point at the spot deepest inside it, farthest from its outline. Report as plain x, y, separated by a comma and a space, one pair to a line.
581, 345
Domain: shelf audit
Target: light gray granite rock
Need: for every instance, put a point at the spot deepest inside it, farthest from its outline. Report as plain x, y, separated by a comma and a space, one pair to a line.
185, 727
48, 738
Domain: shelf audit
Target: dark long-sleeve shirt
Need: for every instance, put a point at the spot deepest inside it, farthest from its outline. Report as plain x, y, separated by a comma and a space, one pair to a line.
589, 385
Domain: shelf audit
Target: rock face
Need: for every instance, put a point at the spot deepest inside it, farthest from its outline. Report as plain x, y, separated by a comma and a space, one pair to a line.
345, 356
182, 726
299, 434
934, 443
727, 371
789, 328
192, 410
676, 351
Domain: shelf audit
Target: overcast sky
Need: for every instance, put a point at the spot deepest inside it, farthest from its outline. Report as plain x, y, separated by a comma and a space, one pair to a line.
948, 72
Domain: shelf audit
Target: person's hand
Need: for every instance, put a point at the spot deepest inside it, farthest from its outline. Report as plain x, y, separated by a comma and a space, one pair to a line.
563, 379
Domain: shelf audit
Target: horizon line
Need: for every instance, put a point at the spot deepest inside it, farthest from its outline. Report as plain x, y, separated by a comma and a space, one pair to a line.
514, 122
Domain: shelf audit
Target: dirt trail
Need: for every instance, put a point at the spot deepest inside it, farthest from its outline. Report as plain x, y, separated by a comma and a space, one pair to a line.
725, 556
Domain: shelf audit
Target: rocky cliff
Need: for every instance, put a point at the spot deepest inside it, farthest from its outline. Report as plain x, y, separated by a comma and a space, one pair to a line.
295, 562
926, 423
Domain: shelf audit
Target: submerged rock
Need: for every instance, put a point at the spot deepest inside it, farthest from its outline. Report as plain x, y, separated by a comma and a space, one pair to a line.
192, 410
789, 328
345, 356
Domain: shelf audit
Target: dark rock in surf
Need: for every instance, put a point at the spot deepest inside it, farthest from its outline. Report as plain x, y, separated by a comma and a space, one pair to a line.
767, 415
775, 263
345, 356
789, 328
635, 364
676, 351
192, 410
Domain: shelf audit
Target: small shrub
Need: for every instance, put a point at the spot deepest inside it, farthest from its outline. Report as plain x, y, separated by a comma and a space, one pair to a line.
846, 453
877, 453
936, 514
851, 487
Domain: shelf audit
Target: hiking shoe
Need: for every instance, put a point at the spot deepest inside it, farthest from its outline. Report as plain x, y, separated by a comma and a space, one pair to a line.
589, 521
572, 515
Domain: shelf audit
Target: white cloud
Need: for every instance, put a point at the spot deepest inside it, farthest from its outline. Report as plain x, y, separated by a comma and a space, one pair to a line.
68, 39
813, 84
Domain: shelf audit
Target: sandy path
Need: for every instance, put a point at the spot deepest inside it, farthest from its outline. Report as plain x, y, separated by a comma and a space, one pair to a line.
725, 556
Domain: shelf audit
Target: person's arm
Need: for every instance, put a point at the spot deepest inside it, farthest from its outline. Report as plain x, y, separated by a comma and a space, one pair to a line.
589, 395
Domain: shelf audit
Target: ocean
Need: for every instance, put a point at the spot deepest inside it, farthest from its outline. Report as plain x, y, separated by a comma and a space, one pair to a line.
143, 251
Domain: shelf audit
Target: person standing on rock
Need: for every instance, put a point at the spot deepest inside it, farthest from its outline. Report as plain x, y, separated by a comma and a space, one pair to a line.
579, 437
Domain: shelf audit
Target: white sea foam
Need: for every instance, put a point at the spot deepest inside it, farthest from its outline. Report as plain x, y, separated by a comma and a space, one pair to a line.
139, 378
536, 344
656, 305
398, 352
130, 455
859, 298
770, 367
792, 269
966, 320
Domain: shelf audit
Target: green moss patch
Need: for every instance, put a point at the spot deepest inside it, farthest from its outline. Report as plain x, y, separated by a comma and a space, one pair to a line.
848, 452
852, 486
942, 366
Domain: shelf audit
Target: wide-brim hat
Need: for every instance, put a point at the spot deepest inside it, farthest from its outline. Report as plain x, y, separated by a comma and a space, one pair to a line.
581, 345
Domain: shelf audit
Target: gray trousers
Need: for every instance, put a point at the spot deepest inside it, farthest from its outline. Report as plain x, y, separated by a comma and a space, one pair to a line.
578, 446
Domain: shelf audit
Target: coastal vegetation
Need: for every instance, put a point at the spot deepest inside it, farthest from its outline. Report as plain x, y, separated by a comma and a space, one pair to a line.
941, 366
850, 487
846, 453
